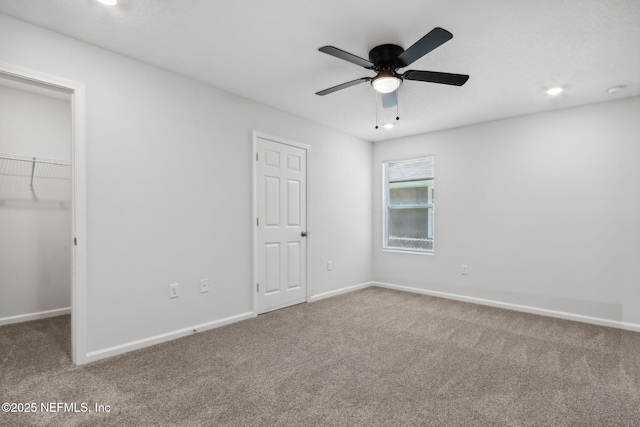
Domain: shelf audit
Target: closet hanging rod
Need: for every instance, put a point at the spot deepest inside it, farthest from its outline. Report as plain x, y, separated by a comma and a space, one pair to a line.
34, 159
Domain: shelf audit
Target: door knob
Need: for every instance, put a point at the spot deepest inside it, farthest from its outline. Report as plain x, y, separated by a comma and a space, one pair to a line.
304, 234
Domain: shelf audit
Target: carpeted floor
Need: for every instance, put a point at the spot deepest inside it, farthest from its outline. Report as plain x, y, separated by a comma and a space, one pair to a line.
375, 357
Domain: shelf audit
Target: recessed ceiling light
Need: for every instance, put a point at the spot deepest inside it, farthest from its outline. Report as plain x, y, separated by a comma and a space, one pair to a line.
388, 126
555, 91
614, 89
109, 2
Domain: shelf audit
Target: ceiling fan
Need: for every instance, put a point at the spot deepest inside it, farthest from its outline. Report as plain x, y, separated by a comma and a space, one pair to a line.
386, 59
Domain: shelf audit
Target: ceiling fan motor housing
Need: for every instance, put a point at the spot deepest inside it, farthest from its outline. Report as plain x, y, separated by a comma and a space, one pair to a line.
385, 57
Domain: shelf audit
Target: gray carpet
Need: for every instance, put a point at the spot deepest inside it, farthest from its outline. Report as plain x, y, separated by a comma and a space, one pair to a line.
375, 357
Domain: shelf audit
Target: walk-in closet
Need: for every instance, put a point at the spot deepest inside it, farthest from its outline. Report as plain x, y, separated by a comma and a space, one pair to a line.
35, 203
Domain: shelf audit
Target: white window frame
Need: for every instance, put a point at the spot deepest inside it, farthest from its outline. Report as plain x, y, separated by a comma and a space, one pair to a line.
386, 207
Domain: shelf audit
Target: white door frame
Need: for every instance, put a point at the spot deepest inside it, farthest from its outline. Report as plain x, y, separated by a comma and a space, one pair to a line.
254, 203
78, 202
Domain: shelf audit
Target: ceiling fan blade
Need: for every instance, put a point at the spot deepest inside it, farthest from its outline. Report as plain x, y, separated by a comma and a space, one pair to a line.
343, 86
434, 38
338, 53
436, 77
390, 99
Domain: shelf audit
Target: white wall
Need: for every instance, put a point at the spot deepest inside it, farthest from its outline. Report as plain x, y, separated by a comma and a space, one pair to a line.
543, 209
35, 225
34, 124
169, 190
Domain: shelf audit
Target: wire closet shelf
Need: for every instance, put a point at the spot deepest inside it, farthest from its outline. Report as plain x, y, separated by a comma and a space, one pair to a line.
34, 160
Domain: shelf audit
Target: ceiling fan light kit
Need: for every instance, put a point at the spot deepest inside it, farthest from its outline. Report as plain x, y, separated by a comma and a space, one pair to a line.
386, 59
386, 82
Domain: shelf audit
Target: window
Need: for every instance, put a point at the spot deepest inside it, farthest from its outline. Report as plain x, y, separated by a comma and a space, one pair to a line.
408, 205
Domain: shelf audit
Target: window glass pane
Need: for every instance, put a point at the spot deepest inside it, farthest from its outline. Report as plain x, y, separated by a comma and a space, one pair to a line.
422, 196
411, 193
411, 228
415, 170
403, 196
409, 190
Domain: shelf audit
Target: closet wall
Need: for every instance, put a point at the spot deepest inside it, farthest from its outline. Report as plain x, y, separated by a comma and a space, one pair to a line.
35, 223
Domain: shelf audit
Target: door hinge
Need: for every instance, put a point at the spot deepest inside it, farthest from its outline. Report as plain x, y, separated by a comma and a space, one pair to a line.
257, 287
256, 157
258, 222
75, 241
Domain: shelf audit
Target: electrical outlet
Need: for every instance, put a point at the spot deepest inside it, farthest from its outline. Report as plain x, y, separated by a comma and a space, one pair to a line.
465, 269
173, 290
204, 285
329, 265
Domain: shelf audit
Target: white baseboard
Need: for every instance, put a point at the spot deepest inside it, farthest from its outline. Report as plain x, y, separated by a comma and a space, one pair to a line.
157, 339
34, 316
339, 291
516, 307
146, 342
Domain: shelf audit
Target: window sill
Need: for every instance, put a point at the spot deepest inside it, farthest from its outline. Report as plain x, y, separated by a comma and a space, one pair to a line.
400, 251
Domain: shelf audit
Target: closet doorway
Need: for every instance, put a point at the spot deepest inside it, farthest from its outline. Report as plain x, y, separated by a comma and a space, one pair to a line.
42, 203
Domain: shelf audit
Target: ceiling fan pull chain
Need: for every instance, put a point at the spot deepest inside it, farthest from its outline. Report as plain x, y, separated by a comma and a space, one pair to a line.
397, 104
376, 95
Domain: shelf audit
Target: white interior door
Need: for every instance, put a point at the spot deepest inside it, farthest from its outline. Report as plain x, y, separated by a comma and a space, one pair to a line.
281, 193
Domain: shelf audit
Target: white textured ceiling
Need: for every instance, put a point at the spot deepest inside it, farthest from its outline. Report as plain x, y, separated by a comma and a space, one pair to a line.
266, 50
